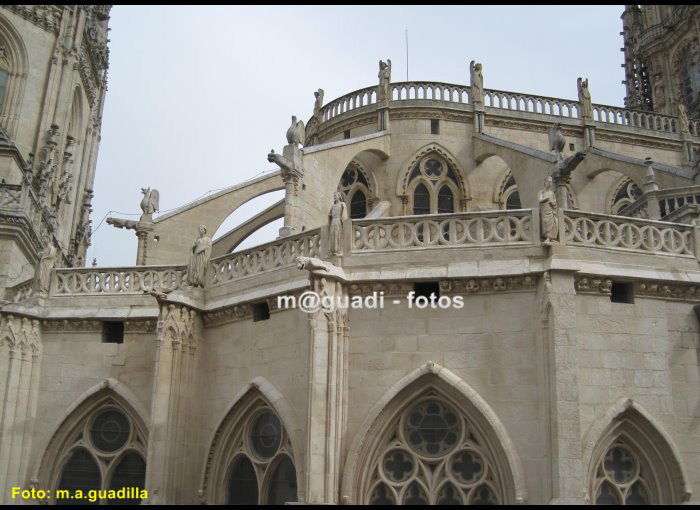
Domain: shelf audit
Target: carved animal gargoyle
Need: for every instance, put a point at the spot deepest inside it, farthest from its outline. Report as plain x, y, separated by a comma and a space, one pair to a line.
120, 223
318, 267
564, 169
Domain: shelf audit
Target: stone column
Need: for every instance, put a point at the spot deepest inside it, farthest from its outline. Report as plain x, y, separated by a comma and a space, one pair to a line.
20, 365
561, 369
479, 113
327, 399
167, 465
291, 164
651, 191
588, 133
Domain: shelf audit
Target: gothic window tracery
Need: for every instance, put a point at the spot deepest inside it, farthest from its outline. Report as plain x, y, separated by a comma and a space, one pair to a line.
633, 463
433, 187
626, 193
432, 453
356, 190
105, 451
621, 478
258, 459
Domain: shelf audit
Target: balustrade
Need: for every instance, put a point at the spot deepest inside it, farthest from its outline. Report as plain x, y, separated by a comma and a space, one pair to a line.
623, 233
266, 257
438, 230
135, 280
504, 100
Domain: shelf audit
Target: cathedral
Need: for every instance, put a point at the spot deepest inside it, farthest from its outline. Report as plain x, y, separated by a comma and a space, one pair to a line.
477, 297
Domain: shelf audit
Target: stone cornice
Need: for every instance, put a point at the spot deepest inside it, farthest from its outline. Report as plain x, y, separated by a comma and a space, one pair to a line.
47, 17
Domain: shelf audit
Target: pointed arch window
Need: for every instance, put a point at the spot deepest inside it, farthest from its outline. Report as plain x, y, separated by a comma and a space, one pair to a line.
634, 464
625, 194
355, 187
254, 462
358, 205
106, 450
433, 453
433, 187
4, 75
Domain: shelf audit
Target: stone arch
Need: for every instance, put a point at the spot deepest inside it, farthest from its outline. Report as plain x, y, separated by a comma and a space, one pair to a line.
16, 56
370, 189
215, 471
627, 418
433, 376
613, 202
684, 54
109, 392
76, 117
402, 182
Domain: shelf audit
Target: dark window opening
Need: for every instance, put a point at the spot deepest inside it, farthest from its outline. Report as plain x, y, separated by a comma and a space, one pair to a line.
426, 289
261, 312
112, 332
434, 127
346, 134
421, 200
622, 292
446, 202
358, 205
572, 147
513, 201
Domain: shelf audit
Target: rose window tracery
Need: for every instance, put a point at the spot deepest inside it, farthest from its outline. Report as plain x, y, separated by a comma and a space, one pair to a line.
433, 455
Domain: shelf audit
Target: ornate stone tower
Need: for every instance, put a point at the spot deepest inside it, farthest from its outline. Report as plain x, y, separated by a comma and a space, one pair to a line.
53, 75
662, 65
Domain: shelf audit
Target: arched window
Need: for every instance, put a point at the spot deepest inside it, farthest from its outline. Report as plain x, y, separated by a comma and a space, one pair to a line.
434, 186
357, 192
105, 451
358, 205
509, 197
421, 200
263, 457
446, 200
633, 464
251, 458
432, 452
4, 75
626, 193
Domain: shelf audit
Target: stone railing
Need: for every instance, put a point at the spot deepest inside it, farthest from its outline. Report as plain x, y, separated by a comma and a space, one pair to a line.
279, 253
541, 105
351, 101
503, 100
635, 118
670, 200
135, 280
438, 230
674, 198
20, 292
430, 90
627, 234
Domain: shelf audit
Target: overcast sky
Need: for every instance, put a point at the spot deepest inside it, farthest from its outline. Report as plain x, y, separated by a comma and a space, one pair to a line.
197, 96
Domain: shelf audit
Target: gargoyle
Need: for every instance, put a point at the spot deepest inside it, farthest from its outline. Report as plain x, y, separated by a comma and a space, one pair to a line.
120, 223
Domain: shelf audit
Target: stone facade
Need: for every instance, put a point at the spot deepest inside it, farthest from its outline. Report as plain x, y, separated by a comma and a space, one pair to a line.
558, 368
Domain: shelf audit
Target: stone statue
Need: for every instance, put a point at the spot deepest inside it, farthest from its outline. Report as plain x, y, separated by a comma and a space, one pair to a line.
318, 103
42, 278
683, 122
557, 142
384, 90
549, 221
476, 82
201, 251
338, 214
584, 99
150, 201
296, 133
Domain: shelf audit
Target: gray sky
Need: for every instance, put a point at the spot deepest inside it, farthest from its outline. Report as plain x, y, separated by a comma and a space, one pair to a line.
197, 96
